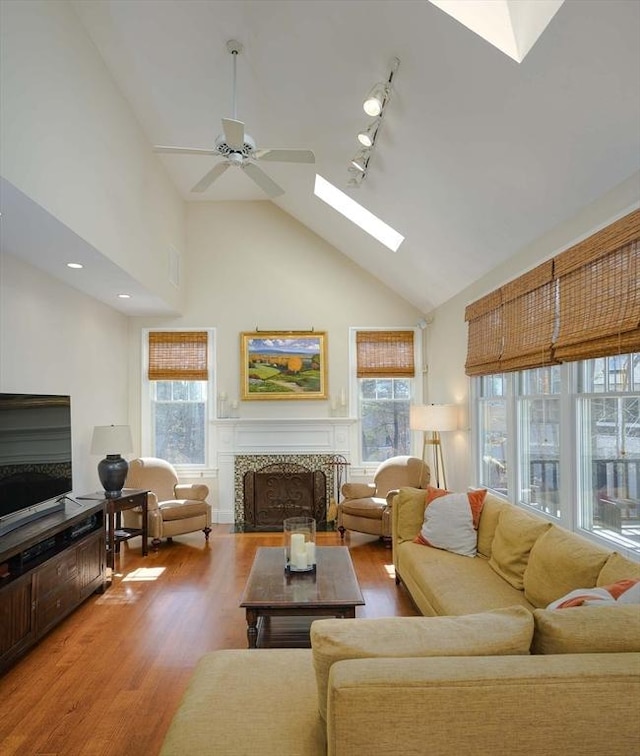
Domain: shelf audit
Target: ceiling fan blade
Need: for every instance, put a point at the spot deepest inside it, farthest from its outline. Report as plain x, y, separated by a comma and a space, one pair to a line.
184, 150
208, 179
262, 180
286, 156
233, 133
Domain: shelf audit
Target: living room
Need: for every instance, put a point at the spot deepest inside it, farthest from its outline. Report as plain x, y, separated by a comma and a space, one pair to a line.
88, 183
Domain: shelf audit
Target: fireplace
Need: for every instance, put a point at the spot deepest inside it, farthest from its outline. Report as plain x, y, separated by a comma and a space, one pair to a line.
271, 488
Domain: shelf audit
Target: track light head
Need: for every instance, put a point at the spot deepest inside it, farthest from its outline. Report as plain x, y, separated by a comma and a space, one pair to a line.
375, 100
367, 136
361, 160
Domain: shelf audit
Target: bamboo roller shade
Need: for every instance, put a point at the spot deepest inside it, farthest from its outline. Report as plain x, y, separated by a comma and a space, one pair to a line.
384, 354
178, 356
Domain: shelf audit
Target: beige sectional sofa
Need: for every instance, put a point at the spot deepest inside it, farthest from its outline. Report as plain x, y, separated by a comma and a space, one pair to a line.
499, 674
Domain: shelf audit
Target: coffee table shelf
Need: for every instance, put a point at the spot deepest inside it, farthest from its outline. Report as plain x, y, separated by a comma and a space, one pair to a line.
280, 606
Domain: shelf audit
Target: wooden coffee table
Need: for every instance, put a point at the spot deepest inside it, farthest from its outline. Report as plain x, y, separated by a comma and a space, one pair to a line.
281, 606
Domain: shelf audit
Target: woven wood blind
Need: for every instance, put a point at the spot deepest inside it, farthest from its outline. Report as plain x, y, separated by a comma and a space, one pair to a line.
584, 303
600, 306
528, 319
385, 354
484, 347
178, 356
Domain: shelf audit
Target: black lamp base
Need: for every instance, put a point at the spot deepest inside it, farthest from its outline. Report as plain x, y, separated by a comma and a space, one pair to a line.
112, 472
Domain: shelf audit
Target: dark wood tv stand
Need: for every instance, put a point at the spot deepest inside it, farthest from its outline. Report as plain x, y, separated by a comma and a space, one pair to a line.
47, 568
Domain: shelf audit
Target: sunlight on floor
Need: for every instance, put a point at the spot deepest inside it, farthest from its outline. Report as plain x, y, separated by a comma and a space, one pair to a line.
143, 574
390, 570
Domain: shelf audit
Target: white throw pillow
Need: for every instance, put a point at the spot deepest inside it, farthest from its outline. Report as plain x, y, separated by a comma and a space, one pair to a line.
448, 524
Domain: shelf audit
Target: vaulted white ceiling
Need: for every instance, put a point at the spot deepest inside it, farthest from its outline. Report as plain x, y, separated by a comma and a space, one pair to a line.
478, 155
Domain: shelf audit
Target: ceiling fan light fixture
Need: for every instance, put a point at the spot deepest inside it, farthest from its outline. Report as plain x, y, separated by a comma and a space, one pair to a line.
375, 100
367, 137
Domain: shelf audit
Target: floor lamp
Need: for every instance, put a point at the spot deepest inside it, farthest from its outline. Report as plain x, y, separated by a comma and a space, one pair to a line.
434, 419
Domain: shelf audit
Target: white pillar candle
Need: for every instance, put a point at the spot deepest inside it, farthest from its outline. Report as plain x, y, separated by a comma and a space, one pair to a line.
311, 553
299, 560
343, 398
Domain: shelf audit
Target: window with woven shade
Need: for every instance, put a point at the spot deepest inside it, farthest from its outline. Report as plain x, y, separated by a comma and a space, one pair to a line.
385, 369
599, 293
385, 354
178, 374
178, 356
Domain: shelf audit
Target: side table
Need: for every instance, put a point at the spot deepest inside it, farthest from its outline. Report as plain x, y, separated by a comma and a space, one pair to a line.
129, 499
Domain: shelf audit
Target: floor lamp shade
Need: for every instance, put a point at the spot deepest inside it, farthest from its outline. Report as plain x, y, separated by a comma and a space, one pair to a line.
434, 419
113, 441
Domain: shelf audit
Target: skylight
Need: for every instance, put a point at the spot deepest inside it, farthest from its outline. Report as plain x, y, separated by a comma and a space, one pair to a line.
513, 26
357, 214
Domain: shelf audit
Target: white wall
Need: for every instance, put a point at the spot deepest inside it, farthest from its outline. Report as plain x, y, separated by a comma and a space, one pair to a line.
62, 110
447, 334
55, 340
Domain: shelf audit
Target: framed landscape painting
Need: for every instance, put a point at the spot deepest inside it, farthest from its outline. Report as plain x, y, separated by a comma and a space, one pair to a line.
284, 365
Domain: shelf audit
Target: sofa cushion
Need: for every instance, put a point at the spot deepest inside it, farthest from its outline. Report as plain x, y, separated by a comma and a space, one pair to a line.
450, 521
410, 504
248, 702
515, 534
501, 632
587, 629
491, 508
182, 509
617, 568
560, 562
370, 507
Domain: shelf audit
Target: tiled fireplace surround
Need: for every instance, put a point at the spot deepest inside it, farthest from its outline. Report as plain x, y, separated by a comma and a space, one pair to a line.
250, 444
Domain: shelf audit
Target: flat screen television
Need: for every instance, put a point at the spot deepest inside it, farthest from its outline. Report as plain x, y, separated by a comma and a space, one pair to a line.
35, 456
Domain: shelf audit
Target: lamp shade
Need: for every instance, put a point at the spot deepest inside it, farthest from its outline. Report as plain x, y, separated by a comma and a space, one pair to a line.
433, 417
111, 439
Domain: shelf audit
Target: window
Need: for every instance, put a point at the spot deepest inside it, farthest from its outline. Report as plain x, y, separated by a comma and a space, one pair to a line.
178, 376
385, 369
554, 359
492, 431
539, 439
608, 403
593, 455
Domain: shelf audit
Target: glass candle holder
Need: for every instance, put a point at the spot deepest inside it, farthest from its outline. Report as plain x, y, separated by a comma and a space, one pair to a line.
299, 544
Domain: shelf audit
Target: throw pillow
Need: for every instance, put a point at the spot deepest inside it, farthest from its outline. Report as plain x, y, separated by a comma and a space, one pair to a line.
608, 628
494, 633
561, 561
623, 591
516, 532
451, 520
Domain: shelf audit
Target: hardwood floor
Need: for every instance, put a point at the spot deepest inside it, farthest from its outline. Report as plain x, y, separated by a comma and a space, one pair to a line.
110, 677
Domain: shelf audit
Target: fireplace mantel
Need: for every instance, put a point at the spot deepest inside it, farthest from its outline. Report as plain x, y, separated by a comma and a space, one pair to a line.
264, 436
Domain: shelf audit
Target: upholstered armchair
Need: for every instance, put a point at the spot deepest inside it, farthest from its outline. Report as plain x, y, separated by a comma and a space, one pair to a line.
366, 507
173, 508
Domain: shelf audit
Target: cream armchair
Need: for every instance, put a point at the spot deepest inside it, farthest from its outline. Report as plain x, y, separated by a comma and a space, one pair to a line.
173, 508
366, 507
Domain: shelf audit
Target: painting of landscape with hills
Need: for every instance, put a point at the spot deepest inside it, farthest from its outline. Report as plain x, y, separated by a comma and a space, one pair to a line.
283, 366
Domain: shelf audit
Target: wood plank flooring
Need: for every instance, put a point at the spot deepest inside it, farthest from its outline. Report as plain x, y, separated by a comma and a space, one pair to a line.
109, 679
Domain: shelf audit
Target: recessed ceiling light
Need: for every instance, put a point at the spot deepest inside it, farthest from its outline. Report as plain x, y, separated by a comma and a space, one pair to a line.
75, 266
124, 296
357, 214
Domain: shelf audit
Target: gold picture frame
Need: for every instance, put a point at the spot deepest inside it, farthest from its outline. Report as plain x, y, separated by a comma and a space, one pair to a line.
283, 365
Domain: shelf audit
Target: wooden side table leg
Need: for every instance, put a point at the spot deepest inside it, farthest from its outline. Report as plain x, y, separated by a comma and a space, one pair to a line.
252, 628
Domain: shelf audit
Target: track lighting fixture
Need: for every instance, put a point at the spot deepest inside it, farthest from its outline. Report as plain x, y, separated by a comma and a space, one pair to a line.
368, 136
361, 160
374, 105
376, 99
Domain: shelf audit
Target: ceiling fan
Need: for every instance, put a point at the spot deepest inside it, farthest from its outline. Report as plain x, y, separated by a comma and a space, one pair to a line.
238, 148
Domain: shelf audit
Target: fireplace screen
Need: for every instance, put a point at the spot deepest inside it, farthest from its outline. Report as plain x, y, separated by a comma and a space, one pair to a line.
281, 490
